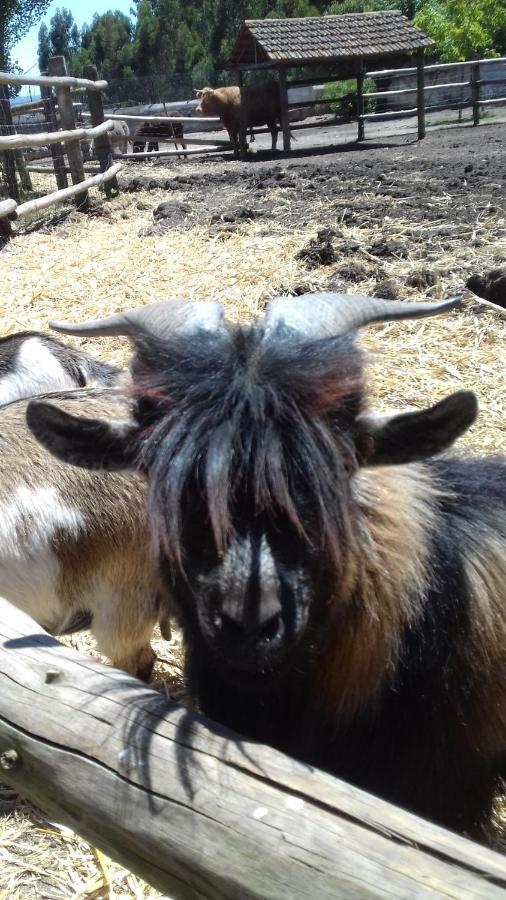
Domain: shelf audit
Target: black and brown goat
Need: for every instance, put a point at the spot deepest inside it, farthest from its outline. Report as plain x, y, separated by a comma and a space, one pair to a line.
154, 133
342, 593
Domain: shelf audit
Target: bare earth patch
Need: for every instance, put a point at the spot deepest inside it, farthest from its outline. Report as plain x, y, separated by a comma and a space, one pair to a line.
420, 218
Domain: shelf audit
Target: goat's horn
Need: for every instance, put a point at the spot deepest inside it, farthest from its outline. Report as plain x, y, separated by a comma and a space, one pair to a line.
158, 319
323, 315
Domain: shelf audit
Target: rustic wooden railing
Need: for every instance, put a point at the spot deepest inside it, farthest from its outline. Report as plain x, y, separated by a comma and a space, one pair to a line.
65, 139
198, 811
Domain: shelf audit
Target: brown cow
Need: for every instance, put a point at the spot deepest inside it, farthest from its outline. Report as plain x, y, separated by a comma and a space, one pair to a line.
257, 104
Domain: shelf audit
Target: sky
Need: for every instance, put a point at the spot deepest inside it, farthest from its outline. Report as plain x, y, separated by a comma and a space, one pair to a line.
25, 52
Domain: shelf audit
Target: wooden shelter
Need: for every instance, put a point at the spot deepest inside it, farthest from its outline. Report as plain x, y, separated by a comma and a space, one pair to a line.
343, 46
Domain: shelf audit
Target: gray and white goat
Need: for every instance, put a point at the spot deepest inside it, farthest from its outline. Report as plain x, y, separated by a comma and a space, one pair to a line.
74, 544
32, 363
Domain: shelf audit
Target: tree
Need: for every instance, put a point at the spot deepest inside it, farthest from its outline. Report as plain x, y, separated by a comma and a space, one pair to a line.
464, 29
408, 8
169, 15
64, 38
108, 44
146, 39
44, 48
16, 18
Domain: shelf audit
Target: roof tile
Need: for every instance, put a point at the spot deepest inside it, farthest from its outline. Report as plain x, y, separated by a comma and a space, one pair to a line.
315, 38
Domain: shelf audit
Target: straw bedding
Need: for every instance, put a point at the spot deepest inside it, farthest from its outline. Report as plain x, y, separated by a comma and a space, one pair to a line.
88, 266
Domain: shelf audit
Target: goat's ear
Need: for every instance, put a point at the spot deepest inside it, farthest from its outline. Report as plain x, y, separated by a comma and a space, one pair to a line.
384, 440
91, 443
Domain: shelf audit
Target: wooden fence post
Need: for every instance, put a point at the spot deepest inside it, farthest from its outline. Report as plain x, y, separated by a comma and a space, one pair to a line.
475, 91
283, 102
360, 103
101, 143
58, 66
8, 155
24, 175
56, 149
420, 92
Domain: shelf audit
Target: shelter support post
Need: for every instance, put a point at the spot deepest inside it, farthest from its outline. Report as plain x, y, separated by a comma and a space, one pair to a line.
55, 149
101, 143
58, 67
475, 92
283, 103
243, 146
360, 103
420, 92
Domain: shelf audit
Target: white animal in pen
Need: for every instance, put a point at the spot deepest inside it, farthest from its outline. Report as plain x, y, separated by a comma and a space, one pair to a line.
33, 363
74, 544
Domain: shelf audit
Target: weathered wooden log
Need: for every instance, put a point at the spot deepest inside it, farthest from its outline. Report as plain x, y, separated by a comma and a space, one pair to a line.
196, 810
207, 148
53, 81
140, 119
47, 170
7, 207
67, 193
37, 105
41, 138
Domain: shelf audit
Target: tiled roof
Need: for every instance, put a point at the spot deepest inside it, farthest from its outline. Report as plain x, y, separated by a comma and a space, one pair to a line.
315, 38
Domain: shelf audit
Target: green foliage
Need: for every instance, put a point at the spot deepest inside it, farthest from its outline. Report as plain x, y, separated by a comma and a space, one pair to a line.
345, 95
108, 44
165, 38
146, 39
61, 39
44, 48
16, 18
293, 9
464, 29
408, 8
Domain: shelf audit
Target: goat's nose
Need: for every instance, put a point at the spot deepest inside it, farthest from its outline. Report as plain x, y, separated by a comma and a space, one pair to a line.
234, 634
263, 624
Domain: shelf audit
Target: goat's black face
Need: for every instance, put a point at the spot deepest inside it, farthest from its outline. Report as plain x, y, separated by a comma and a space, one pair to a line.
250, 604
249, 479
249, 443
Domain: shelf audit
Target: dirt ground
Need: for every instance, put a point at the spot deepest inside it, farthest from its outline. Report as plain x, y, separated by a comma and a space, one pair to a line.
454, 175
397, 218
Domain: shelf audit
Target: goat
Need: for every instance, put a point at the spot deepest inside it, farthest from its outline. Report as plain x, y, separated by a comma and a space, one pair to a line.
74, 545
154, 132
340, 587
34, 363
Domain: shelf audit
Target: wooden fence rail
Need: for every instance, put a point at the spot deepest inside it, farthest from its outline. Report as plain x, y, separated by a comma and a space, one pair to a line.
22, 209
23, 141
197, 811
432, 67
66, 140
53, 81
140, 119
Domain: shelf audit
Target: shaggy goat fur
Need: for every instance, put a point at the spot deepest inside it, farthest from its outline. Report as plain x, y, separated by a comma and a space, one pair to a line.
390, 579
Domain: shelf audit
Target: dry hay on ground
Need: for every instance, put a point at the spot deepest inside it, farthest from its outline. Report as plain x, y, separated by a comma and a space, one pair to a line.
92, 266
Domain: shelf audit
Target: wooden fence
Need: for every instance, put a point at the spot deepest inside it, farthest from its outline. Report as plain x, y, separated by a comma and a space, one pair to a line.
198, 811
421, 90
59, 111
475, 83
